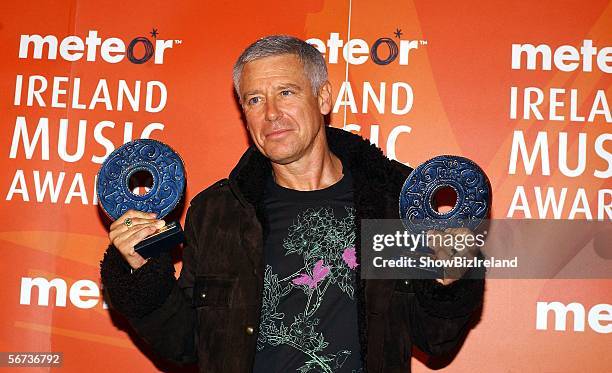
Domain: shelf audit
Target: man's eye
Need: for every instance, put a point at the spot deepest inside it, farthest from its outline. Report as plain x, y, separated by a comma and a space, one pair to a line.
286, 93
253, 100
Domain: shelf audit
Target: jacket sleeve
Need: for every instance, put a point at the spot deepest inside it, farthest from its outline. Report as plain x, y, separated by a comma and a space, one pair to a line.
441, 314
158, 307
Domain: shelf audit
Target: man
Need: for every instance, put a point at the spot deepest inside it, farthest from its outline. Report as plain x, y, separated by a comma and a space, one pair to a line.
270, 279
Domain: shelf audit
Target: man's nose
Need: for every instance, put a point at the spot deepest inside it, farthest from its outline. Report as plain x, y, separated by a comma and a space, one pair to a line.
272, 112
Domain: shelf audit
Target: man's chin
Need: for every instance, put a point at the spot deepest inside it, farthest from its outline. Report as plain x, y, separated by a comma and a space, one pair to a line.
282, 158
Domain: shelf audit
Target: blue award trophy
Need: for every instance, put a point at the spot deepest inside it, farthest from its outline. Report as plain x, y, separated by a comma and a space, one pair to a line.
417, 201
167, 171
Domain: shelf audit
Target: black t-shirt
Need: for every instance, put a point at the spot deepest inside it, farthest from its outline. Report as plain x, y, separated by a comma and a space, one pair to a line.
309, 312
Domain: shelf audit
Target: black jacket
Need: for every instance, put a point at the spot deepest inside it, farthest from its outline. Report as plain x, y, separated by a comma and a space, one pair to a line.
211, 313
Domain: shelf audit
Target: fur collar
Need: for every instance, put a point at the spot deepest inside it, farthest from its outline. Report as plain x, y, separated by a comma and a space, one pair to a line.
374, 175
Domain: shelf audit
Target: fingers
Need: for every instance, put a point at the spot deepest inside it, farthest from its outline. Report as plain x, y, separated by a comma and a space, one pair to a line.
124, 237
126, 240
446, 281
122, 228
131, 239
453, 241
132, 214
437, 242
450, 243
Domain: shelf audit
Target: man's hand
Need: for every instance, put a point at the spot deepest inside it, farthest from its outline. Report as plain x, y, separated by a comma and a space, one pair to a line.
447, 247
131, 228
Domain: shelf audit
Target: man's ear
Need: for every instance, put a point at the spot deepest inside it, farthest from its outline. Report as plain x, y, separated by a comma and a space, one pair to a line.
325, 98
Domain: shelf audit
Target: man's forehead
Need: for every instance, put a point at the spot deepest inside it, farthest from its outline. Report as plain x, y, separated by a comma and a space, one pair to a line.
283, 69
289, 61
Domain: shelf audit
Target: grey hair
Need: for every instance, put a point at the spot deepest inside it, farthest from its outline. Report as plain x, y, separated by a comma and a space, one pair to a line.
276, 45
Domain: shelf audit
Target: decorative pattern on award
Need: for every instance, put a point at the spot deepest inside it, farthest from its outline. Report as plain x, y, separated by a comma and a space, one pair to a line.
467, 180
158, 159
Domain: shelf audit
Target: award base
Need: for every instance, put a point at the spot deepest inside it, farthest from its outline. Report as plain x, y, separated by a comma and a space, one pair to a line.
164, 239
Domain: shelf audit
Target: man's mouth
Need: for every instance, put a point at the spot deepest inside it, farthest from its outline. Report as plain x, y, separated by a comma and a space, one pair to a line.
278, 133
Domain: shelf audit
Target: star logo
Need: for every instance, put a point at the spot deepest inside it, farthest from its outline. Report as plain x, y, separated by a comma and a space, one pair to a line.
154, 33
398, 32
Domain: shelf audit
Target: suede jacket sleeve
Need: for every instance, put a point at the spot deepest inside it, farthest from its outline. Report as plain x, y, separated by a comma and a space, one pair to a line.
441, 314
158, 307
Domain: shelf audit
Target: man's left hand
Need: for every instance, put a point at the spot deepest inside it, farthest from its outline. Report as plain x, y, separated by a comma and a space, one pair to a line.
447, 247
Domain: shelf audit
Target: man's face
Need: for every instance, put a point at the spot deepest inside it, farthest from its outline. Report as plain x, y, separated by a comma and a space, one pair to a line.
284, 117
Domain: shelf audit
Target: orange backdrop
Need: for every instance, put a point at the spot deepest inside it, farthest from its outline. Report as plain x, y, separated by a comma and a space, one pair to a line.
453, 94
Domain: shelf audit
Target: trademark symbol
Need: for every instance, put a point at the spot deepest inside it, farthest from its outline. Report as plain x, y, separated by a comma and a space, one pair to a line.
422, 42
176, 41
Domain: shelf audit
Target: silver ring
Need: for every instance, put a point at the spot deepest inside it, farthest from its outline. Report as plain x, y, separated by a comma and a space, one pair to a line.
127, 222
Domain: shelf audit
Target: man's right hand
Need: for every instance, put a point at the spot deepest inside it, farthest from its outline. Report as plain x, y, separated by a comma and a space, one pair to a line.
125, 236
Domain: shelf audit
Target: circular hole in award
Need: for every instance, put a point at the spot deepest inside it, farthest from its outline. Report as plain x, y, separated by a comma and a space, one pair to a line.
444, 199
140, 182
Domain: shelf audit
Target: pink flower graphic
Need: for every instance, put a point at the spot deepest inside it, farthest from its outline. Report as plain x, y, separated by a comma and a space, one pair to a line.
318, 273
349, 257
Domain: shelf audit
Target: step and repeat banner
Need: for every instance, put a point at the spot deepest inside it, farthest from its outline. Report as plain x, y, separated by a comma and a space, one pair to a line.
522, 88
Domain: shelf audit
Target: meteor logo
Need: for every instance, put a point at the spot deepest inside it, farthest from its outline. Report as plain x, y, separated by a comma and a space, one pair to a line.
357, 51
112, 50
